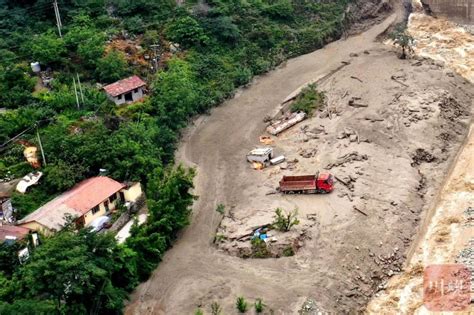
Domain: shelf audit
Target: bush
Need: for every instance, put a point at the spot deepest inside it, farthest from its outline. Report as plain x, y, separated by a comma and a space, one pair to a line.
285, 221
259, 248
259, 306
112, 67
241, 305
288, 251
47, 48
309, 100
402, 39
216, 308
187, 32
220, 208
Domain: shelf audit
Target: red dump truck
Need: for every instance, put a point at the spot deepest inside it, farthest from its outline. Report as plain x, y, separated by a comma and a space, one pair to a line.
308, 184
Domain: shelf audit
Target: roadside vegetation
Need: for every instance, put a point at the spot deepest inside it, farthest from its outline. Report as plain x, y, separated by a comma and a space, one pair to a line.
402, 39
203, 53
309, 100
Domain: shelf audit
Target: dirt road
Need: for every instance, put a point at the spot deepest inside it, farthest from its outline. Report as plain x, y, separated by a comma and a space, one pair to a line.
195, 273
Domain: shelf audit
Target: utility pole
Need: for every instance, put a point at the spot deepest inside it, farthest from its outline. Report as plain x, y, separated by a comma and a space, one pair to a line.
58, 17
80, 88
40, 145
75, 91
155, 59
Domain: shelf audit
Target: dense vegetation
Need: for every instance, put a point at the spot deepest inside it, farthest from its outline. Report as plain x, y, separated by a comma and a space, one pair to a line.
205, 50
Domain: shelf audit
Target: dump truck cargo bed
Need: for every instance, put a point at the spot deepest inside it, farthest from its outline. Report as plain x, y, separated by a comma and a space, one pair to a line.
319, 183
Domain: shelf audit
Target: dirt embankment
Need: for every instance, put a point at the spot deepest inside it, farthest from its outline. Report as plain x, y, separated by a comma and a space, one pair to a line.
446, 236
392, 153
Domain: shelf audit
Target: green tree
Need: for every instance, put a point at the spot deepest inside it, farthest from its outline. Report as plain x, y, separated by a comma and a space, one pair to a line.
402, 39
176, 94
85, 40
285, 221
187, 32
280, 9
15, 86
74, 270
24, 306
62, 176
48, 48
112, 67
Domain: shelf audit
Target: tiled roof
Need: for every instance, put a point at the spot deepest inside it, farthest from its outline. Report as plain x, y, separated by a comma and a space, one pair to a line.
76, 202
15, 231
124, 86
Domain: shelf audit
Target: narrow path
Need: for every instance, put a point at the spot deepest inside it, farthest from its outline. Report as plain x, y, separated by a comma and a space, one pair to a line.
193, 271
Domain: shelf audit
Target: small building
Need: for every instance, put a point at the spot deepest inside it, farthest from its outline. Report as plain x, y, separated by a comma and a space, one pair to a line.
88, 200
260, 155
127, 91
10, 233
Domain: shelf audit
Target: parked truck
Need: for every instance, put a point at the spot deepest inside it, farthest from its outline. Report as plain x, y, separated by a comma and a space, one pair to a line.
260, 155
322, 183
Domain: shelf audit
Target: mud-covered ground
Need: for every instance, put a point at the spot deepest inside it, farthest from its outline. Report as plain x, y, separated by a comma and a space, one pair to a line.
390, 150
392, 154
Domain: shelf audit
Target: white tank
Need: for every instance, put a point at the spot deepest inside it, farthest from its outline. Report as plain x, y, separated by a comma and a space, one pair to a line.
35, 66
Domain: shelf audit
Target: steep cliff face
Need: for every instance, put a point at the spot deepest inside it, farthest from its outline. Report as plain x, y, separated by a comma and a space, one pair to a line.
460, 11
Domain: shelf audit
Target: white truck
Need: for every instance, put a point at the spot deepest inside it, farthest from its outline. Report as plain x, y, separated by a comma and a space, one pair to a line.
260, 155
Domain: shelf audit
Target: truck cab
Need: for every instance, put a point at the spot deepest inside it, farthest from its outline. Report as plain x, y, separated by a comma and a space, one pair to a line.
325, 182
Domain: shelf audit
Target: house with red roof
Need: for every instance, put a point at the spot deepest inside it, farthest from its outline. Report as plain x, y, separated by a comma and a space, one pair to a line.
128, 90
88, 200
10, 233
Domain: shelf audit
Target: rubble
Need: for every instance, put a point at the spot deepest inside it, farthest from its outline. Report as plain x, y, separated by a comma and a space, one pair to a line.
422, 156
466, 257
348, 158
308, 153
354, 102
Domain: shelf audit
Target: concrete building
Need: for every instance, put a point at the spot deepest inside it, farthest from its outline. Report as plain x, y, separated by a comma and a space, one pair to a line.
88, 200
125, 91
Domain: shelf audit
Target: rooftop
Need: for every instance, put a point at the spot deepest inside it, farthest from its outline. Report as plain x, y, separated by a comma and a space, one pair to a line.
15, 232
260, 151
76, 202
124, 86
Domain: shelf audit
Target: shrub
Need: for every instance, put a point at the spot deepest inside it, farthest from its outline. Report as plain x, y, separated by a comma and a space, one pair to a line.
259, 248
220, 208
309, 100
216, 308
288, 251
112, 67
284, 221
199, 312
402, 39
241, 304
259, 306
187, 32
